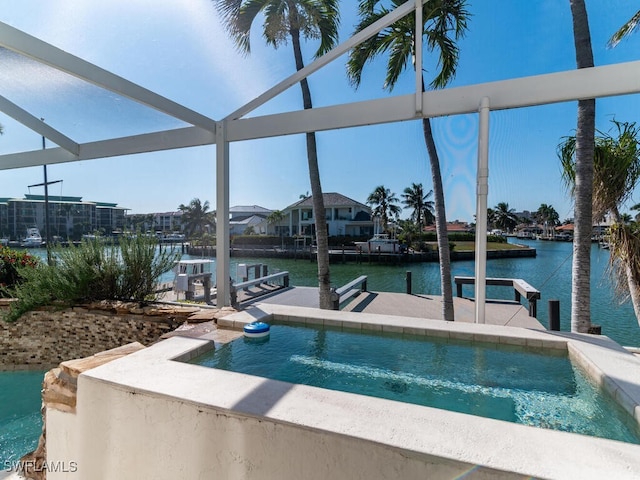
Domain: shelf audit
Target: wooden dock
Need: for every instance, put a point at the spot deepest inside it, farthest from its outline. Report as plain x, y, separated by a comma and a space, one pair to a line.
402, 304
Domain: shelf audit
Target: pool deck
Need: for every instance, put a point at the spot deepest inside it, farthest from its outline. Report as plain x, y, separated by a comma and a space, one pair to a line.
401, 304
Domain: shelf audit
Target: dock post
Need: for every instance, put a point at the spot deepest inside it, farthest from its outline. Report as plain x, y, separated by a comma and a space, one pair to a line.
408, 278
554, 315
265, 270
335, 299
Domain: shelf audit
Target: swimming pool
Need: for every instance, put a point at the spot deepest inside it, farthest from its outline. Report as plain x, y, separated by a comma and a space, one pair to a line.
20, 418
504, 383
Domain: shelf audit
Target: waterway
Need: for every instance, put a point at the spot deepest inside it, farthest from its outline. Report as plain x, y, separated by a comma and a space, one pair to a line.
549, 272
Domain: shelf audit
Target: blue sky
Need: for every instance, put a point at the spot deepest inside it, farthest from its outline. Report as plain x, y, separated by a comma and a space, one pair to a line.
180, 50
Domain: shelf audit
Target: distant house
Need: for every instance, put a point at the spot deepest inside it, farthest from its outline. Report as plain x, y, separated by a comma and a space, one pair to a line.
168, 221
452, 227
244, 217
345, 216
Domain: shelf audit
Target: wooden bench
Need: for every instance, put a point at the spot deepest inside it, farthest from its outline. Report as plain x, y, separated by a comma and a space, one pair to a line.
520, 288
354, 287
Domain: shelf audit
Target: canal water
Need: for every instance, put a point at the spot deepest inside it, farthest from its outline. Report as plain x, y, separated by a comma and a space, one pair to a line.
549, 272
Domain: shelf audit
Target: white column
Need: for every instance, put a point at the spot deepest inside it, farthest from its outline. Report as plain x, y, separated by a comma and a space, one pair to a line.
482, 189
223, 268
418, 56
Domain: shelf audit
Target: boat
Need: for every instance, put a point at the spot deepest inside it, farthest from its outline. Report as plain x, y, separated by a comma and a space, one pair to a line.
33, 238
4, 242
173, 237
380, 243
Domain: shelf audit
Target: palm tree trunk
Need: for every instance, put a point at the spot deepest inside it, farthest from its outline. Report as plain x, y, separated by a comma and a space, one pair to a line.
441, 223
319, 213
585, 144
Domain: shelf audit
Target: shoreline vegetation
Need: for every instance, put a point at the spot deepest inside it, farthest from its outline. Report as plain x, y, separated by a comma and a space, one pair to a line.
461, 250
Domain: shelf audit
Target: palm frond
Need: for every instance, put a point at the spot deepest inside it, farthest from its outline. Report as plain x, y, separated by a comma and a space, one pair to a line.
625, 30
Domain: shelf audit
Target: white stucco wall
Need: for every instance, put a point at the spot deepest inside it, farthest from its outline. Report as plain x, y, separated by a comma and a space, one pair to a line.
128, 436
148, 417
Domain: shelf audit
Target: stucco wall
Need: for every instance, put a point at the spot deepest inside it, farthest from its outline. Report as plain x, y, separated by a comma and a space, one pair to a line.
44, 338
139, 435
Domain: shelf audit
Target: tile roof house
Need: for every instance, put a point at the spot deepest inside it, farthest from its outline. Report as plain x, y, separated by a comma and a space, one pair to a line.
345, 216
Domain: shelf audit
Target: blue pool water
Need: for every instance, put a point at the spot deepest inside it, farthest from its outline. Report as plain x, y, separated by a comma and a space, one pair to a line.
511, 384
20, 419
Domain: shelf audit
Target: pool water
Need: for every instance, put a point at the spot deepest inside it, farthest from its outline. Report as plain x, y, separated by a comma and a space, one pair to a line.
20, 418
512, 384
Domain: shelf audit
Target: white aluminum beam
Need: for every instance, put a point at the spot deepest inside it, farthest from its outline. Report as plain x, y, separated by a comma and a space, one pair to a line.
149, 142
223, 262
34, 48
482, 191
37, 125
325, 59
418, 55
596, 82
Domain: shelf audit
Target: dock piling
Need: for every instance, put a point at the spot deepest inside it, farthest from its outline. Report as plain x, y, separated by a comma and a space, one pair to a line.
554, 315
408, 279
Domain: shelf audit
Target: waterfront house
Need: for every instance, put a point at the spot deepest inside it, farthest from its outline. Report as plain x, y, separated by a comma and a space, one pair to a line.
452, 227
244, 217
345, 217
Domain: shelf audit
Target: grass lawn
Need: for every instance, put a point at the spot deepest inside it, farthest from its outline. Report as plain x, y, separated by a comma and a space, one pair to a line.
465, 246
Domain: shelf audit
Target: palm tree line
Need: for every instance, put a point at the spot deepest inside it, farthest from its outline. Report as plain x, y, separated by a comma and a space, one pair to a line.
443, 24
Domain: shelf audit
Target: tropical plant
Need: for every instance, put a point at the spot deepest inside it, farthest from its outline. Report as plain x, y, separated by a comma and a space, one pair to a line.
196, 217
384, 205
504, 217
415, 199
546, 215
11, 263
616, 172
94, 270
275, 217
444, 22
290, 20
626, 29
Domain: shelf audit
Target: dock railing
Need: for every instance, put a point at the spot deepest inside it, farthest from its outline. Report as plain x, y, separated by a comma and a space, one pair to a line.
354, 287
520, 288
284, 276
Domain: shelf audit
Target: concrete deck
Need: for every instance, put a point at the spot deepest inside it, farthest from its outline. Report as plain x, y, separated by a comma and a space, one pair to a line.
401, 304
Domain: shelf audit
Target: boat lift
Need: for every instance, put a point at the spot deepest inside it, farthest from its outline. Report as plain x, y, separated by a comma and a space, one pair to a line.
190, 273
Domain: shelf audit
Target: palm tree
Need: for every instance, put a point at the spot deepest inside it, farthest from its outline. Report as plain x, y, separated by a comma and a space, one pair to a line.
504, 217
627, 29
415, 198
490, 218
444, 22
585, 132
383, 203
546, 214
283, 20
196, 217
275, 217
616, 172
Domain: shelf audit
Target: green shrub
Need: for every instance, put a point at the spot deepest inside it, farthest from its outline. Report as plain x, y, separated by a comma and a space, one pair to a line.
11, 261
94, 270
